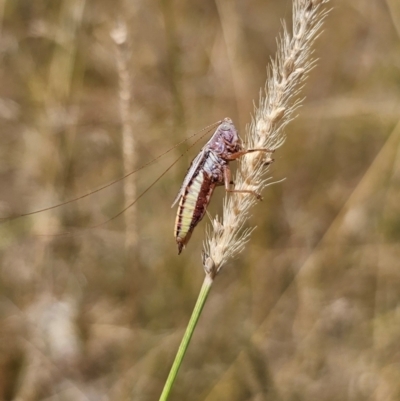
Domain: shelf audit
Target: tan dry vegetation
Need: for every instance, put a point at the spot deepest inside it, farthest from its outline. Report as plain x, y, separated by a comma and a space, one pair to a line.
309, 312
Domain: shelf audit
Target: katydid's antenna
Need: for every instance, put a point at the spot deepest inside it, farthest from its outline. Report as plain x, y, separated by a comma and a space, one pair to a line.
81, 230
14, 217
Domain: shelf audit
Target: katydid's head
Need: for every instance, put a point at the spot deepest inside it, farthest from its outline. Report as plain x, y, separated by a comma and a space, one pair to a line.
228, 127
225, 139
230, 135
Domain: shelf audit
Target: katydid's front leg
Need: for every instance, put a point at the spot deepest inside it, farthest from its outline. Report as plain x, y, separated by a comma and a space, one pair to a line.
227, 172
236, 155
228, 182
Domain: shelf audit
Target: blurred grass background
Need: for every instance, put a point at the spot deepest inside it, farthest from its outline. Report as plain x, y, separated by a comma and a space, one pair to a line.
311, 309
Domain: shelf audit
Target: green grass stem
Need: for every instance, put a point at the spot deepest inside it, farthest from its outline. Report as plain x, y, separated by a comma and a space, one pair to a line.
201, 299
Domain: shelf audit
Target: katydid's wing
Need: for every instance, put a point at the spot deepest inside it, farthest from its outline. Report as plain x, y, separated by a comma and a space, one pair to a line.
189, 175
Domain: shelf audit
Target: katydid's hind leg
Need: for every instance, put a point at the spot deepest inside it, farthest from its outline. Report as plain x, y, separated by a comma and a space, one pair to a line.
228, 182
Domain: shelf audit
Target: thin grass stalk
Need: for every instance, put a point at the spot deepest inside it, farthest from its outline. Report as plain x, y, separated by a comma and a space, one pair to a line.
227, 237
119, 35
201, 299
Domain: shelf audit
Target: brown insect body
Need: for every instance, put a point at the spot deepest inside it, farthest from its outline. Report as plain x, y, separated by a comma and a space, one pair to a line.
209, 169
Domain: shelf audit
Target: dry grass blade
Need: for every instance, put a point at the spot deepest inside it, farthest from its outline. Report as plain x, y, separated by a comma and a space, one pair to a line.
119, 35
276, 109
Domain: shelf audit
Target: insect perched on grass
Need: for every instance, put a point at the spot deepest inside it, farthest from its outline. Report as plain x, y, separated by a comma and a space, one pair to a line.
209, 169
